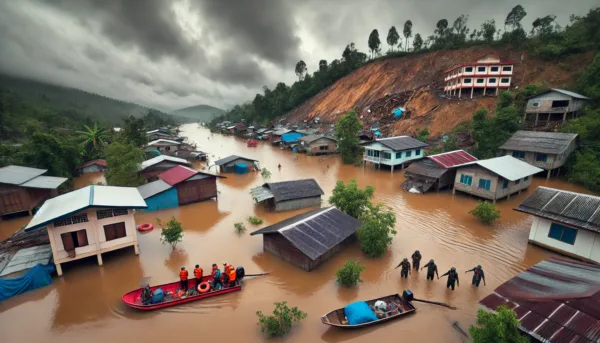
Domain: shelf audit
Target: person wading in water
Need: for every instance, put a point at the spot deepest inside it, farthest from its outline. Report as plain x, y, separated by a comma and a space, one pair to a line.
416, 258
452, 278
478, 275
431, 268
405, 268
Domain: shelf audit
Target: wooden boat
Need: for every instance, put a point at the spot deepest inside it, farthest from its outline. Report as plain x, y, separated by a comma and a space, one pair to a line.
134, 298
338, 318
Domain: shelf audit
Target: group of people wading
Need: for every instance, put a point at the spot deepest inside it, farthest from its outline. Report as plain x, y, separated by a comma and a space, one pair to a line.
432, 269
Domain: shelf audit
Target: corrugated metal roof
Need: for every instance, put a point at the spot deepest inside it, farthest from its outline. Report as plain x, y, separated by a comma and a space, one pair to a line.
261, 194
426, 168
81, 199
296, 189
570, 208
232, 158
556, 300
98, 161
177, 174
399, 143
280, 132
312, 138
565, 92
538, 141
508, 167
452, 158
158, 159
316, 232
45, 182
153, 188
16, 175
163, 142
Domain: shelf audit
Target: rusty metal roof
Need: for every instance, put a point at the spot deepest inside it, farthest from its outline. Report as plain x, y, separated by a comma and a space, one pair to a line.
177, 174
556, 300
570, 208
452, 158
540, 142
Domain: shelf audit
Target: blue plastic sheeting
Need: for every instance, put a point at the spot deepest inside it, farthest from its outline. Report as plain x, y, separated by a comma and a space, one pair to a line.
359, 313
241, 168
377, 133
398, 112
166, 199
36, 277
290, 137
158, 296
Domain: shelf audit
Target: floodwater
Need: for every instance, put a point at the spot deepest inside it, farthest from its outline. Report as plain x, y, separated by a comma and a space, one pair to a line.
85, 304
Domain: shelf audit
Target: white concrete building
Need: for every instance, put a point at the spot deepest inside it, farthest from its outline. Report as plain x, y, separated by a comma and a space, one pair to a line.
487, 74
89, 221
564, 221
393, 151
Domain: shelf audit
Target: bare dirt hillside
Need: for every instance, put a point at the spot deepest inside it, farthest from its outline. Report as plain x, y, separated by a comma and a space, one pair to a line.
416, 82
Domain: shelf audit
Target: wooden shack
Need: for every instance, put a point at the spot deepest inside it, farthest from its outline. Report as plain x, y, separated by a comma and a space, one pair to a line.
192, 185
318, 144
150, 169
309, 239
288, 195
227, 164
553, 107
435, 171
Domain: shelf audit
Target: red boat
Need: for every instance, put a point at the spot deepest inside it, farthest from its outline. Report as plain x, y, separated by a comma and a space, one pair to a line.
133, 299
252, 143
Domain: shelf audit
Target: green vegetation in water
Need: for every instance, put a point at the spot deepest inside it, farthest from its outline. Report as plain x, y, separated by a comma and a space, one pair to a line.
351, 199
255, 220
349, 274
239, 227
172, 233
280, 323
501, 327
486, 212
265, 173
346, 133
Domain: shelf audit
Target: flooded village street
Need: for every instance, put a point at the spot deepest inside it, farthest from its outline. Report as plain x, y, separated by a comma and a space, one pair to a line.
85, 304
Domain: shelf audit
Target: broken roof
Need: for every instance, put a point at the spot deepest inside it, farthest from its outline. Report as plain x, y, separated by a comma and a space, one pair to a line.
452, 158
161, 158
296, 189
426, 168
538, 141
570, 208
565, 92
153, 188
508, 167
232, 158
555, 300
399, 143
316, 232
281, 132
29, 177
312, 138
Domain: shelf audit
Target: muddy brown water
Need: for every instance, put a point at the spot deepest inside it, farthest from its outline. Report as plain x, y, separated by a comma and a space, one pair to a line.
85, 304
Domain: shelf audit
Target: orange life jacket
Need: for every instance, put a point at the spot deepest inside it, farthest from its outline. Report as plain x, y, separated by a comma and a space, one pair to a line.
232, 275
198, 273
183, 275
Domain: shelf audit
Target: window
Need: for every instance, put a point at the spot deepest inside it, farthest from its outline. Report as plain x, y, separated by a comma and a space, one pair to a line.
560, 103
417, 152
485, 184
505, 80
467, 80
12, 202
399, 154
373, 153
507, 68
526, 178
324, 147
536, 104
74, 239
494, 69
562, 233
466, 179
468, 69
114, 231
480, 69
480, 80
408, 153
505, 184
492, 80
518, 154
168, 148
76, 219
518, 182
101, 214
386, 155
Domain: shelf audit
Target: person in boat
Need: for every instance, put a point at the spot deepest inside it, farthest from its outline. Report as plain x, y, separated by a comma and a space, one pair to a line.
225, 274
405, 268
478, 275
183, 278
431, 269
452, 278
232, 277
198, 275
216, 274
146, 295
416, 258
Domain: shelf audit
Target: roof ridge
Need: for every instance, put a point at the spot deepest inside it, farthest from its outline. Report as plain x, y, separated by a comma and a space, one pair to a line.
327, 209
91, 199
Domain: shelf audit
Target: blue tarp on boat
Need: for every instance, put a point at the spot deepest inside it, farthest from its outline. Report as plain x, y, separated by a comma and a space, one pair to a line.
36, 277
358, 313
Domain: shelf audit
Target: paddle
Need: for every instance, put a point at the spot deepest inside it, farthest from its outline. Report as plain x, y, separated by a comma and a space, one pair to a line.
435, 303
256, 274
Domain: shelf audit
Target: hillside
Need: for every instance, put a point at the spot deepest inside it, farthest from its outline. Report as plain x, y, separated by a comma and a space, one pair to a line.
419, 79
198, 113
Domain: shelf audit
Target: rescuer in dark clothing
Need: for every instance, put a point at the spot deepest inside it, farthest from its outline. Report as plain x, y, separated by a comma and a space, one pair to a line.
405, 268
431, 269
416, 258
478, 275
452, 278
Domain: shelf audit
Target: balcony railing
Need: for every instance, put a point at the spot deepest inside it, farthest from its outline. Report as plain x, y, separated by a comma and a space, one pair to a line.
376, 159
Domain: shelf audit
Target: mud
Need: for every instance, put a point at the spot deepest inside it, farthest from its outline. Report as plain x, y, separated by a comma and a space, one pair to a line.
85, 305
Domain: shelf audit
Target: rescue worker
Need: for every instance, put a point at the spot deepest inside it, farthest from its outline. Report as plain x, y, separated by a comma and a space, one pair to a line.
431, 269
216, 274
198, 275
146, 295
416, 258
183, 278
225, 274
452, 278
405, 268
478, 275
232, 277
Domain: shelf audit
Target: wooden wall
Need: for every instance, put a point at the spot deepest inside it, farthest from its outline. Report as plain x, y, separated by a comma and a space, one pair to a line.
196, 190
14, 199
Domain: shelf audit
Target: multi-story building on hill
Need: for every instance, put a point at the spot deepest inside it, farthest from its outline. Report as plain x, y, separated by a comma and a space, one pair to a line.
487, 75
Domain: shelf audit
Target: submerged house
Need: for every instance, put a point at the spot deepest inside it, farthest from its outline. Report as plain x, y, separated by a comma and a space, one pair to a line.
546, 150
150, 169
555, 301
89, 221
93, 166
165, 146
288, 195
22, 188
551, 108
494, 178
393, 151
229, 164
309, 239
319, 144
563, 221
435, 171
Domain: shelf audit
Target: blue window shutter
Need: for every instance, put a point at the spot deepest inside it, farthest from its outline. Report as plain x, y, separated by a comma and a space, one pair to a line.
555, 231
569, 235
462, 178
417, 152
505, 185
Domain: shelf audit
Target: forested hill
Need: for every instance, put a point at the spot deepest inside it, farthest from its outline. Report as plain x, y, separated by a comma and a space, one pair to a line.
199, 113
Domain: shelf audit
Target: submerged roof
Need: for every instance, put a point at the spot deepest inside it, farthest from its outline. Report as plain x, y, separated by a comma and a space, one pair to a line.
81, 199
399, 143
316, 232
576, 209
29, 177
153, 188
312, 138
565, 92
280, 132
161, 158
426, 168
99, 162
538, 141
296, 189
555, 300
508, 167
232, 158
452, 158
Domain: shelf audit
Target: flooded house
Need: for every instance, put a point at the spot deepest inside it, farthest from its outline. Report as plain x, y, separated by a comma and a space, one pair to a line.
563, 221
546, 150
551, 108
150, 169
309, 239
555, 301
165, 146
435, 171
158, 134
93, 166
486, 75
318, 144
232, 163
288, 195
277, 134
22, 189
89, 222
494, 178
393, 151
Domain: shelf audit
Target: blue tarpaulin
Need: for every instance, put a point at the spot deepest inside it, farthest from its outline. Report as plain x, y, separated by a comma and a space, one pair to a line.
398, 112
359, 313
36, 277
241, 168
377, 133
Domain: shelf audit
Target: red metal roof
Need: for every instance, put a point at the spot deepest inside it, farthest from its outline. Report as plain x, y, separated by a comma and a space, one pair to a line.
555, 300
452, 158
177, 174
97, 161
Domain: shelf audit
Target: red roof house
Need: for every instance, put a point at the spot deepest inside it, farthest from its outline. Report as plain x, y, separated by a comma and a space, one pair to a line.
192, 185
93, 166
437, 171
452, 158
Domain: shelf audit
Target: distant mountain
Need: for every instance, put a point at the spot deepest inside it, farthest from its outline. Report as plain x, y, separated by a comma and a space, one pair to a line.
199, 113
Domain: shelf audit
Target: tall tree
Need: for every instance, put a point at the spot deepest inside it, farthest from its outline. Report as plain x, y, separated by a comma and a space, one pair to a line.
417, 42
460, 29
514, 17
374, 42
123, 161
323, 66
346, 133
300, 69
489, 29
407, 32
392, 37
441, 27
133, 133
92, 137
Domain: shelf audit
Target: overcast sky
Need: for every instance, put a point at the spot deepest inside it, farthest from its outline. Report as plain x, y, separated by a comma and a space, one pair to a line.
173, 54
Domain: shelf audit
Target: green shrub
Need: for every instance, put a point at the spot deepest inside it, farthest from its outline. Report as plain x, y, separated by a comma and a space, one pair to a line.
499, 327
281, 321
240, 227
486, 212
349, 274
172, 233
265, 173
255, 220
423, 135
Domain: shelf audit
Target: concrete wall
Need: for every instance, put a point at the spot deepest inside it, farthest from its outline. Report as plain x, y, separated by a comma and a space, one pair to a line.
315, 146
395, 159
297, 204
496, 187
587, 243
166, 199
545, 103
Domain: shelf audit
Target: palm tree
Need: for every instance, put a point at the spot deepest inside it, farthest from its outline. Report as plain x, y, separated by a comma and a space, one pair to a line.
93, 136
